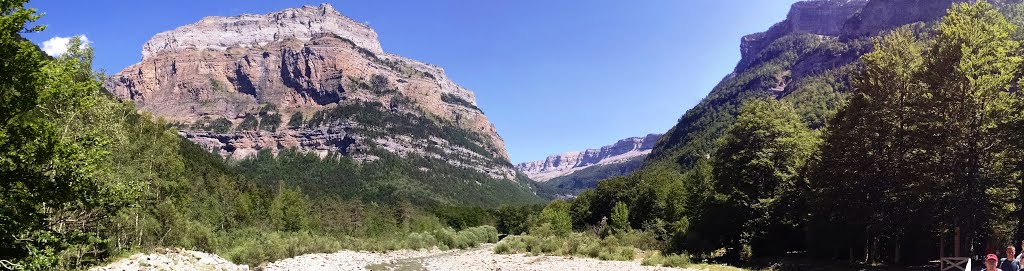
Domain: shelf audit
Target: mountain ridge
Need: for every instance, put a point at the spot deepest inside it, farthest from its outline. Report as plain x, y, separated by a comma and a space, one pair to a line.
569, 162
306, 78
807, 65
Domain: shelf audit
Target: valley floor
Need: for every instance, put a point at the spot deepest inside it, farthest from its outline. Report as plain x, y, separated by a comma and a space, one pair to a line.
480, 258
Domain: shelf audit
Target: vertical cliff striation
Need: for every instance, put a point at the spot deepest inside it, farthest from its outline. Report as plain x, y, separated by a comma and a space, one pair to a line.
312, 79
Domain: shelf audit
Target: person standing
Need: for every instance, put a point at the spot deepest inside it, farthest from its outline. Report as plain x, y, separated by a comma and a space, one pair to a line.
1012, 260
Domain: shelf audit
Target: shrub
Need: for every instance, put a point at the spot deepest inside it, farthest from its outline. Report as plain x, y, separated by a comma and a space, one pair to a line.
554, 220
253, 247
249, 123
672, 260
270, 122
620, 218
295, 121
380, 85
289, 211
579, 244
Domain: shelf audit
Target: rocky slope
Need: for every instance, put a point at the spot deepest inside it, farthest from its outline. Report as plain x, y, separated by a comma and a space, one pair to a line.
567, 163
312, 79
806, 59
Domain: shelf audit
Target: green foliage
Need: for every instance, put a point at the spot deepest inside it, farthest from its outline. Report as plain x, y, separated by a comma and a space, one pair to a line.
380, 85
671, 260
920, 135
586, 245
216, 85
553, 220
587, 178
515, 220
456, 100
220, 125
269, 121
386, 181
374, 115
757, 172
249, 123
620, 218
52, 152
289, 210
699, 128
459, 217
295, 121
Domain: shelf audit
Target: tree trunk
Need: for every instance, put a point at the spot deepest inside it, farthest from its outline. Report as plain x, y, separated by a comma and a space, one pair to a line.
896, 258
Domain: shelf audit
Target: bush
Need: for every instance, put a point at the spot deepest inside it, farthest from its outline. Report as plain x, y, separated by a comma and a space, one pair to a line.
270, 122
289, 211
515, 220
253, 247
295, 121
249, 123
220, 125
554, 220
672, 260
578, 244
420, 241
620, 218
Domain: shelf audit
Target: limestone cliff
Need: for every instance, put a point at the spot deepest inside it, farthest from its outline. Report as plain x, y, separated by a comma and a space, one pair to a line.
307, 78
821, 17
806, 59
567, 163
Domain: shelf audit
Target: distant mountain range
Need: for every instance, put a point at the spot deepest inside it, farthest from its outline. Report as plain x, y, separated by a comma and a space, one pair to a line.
577, 170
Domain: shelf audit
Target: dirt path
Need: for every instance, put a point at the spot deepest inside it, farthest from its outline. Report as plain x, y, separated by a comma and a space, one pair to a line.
481, 258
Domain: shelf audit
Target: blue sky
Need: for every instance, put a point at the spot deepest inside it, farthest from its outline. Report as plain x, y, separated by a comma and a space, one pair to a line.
553, 76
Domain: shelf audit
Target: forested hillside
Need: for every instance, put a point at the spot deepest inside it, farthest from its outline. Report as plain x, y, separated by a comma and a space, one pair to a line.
854, 146
86, 177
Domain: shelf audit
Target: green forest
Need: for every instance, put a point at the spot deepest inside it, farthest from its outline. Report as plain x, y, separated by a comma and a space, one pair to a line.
925, 138
874, 162
87, 179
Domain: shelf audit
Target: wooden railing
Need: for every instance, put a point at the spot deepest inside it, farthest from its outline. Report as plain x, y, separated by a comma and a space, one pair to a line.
955, 264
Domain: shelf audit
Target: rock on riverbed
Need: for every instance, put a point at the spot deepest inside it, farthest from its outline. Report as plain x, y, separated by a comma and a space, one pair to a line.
481, 258
173, 259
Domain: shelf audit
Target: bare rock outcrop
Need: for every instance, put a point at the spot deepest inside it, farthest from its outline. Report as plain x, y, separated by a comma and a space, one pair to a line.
567, 163
216, 77
821, 17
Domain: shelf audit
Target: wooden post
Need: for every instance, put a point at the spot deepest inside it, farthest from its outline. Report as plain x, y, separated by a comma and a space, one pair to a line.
956, 243
942, 247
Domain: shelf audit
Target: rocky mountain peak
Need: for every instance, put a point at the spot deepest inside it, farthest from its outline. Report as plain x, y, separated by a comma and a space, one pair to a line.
257, 30
821, 17
569, 162
311, 79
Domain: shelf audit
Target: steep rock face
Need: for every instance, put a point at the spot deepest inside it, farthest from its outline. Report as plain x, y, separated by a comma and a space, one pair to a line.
567, 163
821, 17
881, 15
235, 84
805, 59
259, 30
